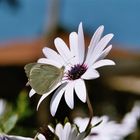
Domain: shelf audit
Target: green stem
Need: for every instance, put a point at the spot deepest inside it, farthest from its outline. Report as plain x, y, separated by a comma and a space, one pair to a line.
90, 115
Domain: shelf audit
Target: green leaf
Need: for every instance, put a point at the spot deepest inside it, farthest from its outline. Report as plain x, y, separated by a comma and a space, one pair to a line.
1, 130
23, 108
10, 123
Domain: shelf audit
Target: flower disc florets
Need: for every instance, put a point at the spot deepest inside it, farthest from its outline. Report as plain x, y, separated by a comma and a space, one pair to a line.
76, 71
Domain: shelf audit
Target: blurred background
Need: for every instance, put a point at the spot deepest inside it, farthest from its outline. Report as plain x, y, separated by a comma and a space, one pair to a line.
27, 26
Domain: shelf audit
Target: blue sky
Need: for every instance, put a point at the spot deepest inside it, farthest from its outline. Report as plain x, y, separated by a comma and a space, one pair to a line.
26, 21
120, 17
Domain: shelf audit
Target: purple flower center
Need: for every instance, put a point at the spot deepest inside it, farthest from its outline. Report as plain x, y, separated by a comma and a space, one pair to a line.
76, 71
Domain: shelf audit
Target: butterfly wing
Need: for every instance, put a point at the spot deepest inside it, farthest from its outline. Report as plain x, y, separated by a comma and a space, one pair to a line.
43, 77
28, 68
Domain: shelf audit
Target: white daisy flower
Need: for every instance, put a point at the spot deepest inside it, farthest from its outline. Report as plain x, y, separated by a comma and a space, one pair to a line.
110, 130
67, 132
106, 130
80, 64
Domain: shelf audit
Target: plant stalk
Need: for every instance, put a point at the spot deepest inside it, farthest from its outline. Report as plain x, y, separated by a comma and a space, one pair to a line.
90, 116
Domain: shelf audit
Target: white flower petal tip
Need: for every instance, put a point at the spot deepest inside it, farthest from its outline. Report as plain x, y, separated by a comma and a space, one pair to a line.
101, 27
81, 44
32, 92
80, 28
105, 40
101, 63
105, 52
41, 99
112, 35
109, 36
51, 128
112, 63
41, 137
62, 48
80, 24
100, 30
44, 50
73, 35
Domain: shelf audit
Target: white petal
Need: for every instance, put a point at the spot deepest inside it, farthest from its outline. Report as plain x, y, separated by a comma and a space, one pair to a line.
41, 137
105, 52
32, 92
91, 73
63, 49
95, 39
73, 40
50, 62
51, 54
74, 133
102, 63
99, 48
103, 42
42, 98
81, 44
51, 128
81, 136
136, 110
81, 123
56, 99
69, 94
80, 89
12, 137
59, 131
47, 94
66, 132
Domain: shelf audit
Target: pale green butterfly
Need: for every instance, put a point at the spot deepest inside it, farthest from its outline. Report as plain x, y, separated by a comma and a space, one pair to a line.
43, 77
